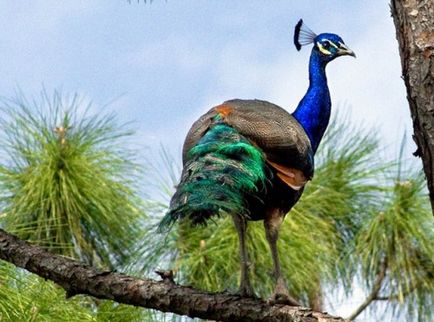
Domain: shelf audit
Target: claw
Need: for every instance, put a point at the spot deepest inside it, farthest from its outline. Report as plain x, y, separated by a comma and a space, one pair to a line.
282, 299
281, 295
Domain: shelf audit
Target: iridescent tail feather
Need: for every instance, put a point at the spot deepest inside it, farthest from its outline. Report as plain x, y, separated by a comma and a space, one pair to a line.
222, 170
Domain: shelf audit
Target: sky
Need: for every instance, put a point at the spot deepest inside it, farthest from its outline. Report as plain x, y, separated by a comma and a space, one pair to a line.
163, 64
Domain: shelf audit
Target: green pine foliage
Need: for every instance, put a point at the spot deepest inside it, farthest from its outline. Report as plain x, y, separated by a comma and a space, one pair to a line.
68, 179
398, 241
24, 297
69, 182
27, 297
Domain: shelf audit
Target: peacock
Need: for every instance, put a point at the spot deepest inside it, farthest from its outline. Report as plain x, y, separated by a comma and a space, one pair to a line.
250, 159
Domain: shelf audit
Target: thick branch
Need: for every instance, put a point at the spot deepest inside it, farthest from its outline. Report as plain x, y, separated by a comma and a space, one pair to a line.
374, 292
414, 22
78, 278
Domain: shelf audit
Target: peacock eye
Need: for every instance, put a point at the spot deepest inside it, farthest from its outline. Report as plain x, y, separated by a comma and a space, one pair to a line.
326, 45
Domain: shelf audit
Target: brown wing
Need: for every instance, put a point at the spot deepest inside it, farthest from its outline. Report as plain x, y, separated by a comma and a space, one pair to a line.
270, 127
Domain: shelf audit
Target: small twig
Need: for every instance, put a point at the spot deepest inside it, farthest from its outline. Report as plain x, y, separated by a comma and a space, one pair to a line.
387, 298
374, 293
395, 297
166, 276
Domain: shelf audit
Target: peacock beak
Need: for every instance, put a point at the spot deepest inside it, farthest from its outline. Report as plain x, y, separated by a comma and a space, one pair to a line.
344, 50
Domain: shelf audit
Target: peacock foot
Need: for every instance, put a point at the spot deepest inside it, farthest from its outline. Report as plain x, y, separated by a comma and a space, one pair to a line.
246, 290
281, 295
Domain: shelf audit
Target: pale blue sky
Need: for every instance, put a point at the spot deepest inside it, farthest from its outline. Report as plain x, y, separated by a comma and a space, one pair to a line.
166, 63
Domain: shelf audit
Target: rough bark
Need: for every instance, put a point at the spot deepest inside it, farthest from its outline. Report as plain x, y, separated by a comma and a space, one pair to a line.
414, 22
165, 296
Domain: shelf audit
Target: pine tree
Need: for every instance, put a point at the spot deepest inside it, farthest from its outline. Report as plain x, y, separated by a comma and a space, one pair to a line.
70, 182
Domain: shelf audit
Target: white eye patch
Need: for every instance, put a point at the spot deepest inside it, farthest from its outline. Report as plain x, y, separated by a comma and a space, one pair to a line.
322, 49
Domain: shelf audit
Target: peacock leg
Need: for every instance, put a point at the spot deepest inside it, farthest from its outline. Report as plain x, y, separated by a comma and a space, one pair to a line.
241, 226
272, 224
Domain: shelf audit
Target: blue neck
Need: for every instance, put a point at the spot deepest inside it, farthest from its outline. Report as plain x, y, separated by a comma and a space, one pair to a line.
313, 111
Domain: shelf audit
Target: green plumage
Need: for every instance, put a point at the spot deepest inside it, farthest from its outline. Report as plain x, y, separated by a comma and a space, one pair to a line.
221, 171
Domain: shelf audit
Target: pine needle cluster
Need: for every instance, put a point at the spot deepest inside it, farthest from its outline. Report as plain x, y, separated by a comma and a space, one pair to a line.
27, 297
68, 179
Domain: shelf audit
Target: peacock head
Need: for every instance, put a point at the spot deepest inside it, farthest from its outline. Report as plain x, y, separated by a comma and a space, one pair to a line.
328, 46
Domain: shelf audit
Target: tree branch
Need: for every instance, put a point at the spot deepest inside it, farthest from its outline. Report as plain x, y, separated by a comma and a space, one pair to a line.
165, 296
415, 32
374, 292
395, 297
